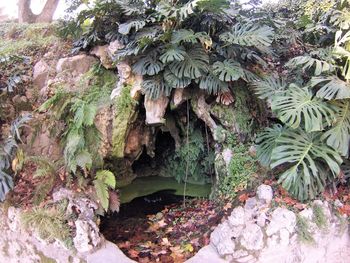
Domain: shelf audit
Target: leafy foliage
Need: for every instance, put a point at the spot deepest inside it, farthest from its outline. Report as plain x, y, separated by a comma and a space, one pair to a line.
103, 181
7, 153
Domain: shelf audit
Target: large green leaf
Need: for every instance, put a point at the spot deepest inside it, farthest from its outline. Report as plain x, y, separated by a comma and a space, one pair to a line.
174, 53
266, 142
307, 62
332, 87
189, 36
212, 84
248, 35
297, 106
307, 154
228, 70
269, 87
339, 135
155, 87
193, 66
148, 65
175, 82
127, 26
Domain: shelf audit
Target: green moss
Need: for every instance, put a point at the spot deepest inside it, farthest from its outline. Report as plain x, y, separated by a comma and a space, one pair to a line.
303, 230
148, 185
124, 115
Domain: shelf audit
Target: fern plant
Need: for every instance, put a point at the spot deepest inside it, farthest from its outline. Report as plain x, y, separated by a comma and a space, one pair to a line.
104, 181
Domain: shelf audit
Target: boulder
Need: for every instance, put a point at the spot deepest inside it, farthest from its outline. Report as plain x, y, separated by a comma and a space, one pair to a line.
102, 52
265, 193
252, 237
87, 236
76, 65
40, 74
282, 218
237, 216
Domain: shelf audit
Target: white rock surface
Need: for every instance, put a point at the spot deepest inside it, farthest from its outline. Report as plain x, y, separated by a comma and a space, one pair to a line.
265, 193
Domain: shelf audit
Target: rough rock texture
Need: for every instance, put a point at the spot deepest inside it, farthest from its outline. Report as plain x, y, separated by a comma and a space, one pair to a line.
40, 74
76, 65
155, 110
102, 52
259, 233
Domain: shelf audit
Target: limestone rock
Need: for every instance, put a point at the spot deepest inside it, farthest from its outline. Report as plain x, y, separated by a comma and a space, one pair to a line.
40, 74
281, 218
265, 193
76, 65
237, 216
102, 52
155, 110
221, 238
114, 46
252, 237
227, 154
87, 236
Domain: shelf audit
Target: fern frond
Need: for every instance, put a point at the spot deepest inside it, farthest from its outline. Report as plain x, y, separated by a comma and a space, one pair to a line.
104, 180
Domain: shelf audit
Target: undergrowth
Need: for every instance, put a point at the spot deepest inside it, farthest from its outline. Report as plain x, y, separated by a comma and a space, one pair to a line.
303, 230
50, 223
319, 216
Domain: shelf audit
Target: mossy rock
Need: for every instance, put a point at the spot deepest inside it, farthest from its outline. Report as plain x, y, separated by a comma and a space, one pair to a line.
148, 185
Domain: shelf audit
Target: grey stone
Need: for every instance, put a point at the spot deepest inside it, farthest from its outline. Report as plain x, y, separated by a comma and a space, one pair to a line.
110, 253
281, 218
87, 236
252, 237
227, 154
76, 65
221, 239
40, 74
284, 237
265, 193
237, 216
261, 220
250, 204
102, 52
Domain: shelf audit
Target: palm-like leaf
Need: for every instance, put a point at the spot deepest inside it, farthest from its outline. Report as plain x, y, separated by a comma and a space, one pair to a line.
248, 35
228, 70
298, 106
304, 151
339, 136
307, 62
174, 53
332, 88
212, 84
268, 87
193, 66
266, 142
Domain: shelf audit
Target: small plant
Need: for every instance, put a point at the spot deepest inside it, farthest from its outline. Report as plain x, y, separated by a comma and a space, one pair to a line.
319, 216
240, 170
49, 222
104, 181
303, 230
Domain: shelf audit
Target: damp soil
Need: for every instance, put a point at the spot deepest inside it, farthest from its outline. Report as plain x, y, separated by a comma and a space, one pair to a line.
159, 228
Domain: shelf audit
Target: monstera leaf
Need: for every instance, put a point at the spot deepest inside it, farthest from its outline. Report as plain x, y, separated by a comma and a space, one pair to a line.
339, 136
125, 28
148, 65
104, 180
189, 36
212, 84
298, 106
175, 82
174, 53
307, 154
228, 70
155, 87
307, 62
193, 66
248, 35
266, 142
333, 88
269, 86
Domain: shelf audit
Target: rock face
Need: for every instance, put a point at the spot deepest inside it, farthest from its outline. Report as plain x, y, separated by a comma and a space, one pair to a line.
40, 74
76, 65
155, 110
259, 233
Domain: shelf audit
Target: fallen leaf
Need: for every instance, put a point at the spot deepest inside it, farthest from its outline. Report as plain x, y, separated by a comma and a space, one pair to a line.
243, 197
133, 253
188, 247
166, 242
227, 206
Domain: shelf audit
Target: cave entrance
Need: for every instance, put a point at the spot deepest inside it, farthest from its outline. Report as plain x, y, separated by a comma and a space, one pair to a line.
145, 165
